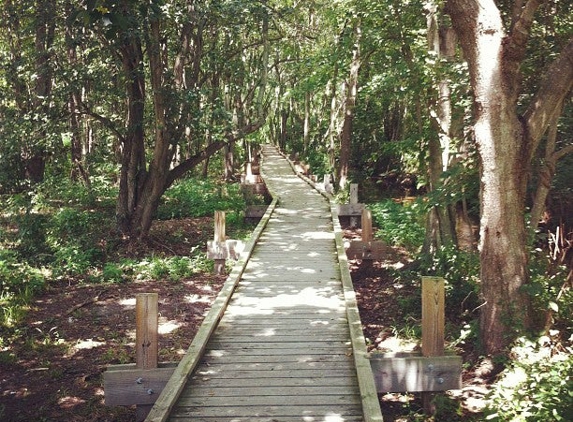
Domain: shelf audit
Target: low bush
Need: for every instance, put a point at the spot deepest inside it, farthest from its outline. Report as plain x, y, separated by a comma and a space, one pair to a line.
199, 198
537, 385
399, 225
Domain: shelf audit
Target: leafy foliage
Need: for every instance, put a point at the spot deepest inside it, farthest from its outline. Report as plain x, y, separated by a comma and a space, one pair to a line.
399, 224
537, 386
198, 198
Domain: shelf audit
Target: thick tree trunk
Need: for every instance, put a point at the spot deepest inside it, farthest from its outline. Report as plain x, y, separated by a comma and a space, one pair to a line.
133, 168
500, 140
506, 144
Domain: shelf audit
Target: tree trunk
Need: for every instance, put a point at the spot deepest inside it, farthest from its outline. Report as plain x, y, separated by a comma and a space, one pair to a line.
35, 155
439, 226
505, 146
350, 105
499, 135
133, 167
546, 173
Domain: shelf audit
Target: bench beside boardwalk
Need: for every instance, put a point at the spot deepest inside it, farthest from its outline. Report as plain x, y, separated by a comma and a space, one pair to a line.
288, 344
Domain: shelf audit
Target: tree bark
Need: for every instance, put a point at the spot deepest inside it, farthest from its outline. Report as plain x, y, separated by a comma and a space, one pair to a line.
349, 106
505, 146
439, 228
546, 173
35, 154
133, 167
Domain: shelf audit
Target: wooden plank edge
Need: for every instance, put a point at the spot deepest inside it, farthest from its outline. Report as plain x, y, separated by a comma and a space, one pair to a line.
366, 382
172, 390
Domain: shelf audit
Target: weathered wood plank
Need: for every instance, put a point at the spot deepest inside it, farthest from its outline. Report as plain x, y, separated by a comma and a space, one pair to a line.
283, 359
301, 374
318, 370
265, 390
410, 372
285, 333
274, 348
218, 418
266, 400
306, 412
126, 385
347, 382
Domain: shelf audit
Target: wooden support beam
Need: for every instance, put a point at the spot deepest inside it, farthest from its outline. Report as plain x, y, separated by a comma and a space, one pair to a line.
219, 240
255, 211
396, 372
433, 315
142, 382
349, 210
327, 182
126, 385
366, 249
431, 371
220, 227
221, 248
375, 250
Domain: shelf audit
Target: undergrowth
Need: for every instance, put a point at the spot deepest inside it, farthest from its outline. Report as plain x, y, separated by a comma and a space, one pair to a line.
63, 230
536, 383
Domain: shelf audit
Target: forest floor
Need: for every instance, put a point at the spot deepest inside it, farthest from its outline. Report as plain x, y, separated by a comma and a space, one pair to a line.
52, 370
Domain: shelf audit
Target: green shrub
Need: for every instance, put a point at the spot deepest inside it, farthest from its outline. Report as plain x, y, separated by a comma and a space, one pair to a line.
546, 288
199, 198
399, 225
112, 273
17, 278
460, 270
75, 237
171, 268
538, 386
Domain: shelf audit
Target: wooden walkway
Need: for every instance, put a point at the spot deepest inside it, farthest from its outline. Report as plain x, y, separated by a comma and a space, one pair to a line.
283, 348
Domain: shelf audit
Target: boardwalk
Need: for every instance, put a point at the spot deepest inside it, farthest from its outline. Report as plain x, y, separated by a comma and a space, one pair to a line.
282, 350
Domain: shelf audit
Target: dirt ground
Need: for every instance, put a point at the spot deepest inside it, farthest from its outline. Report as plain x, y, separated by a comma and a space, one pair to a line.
75, 330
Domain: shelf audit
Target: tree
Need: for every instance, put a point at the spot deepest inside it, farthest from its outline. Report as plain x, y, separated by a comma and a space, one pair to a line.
139, 36
506, 141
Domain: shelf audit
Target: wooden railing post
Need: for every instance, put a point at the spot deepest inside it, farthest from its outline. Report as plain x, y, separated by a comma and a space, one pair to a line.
433, 310
432, 371
327, 181
146, 320
219, 240
353, 200
220, 248
366, 225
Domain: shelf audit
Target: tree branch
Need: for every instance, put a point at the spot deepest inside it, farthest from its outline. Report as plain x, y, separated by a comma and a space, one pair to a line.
554, 89
210, 150
106, 121
566, 150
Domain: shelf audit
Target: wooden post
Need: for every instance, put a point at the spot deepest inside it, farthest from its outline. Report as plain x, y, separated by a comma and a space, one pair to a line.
433, 311
367, 237
353, 201
328, 188
366, 225
146, 320
219, 240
